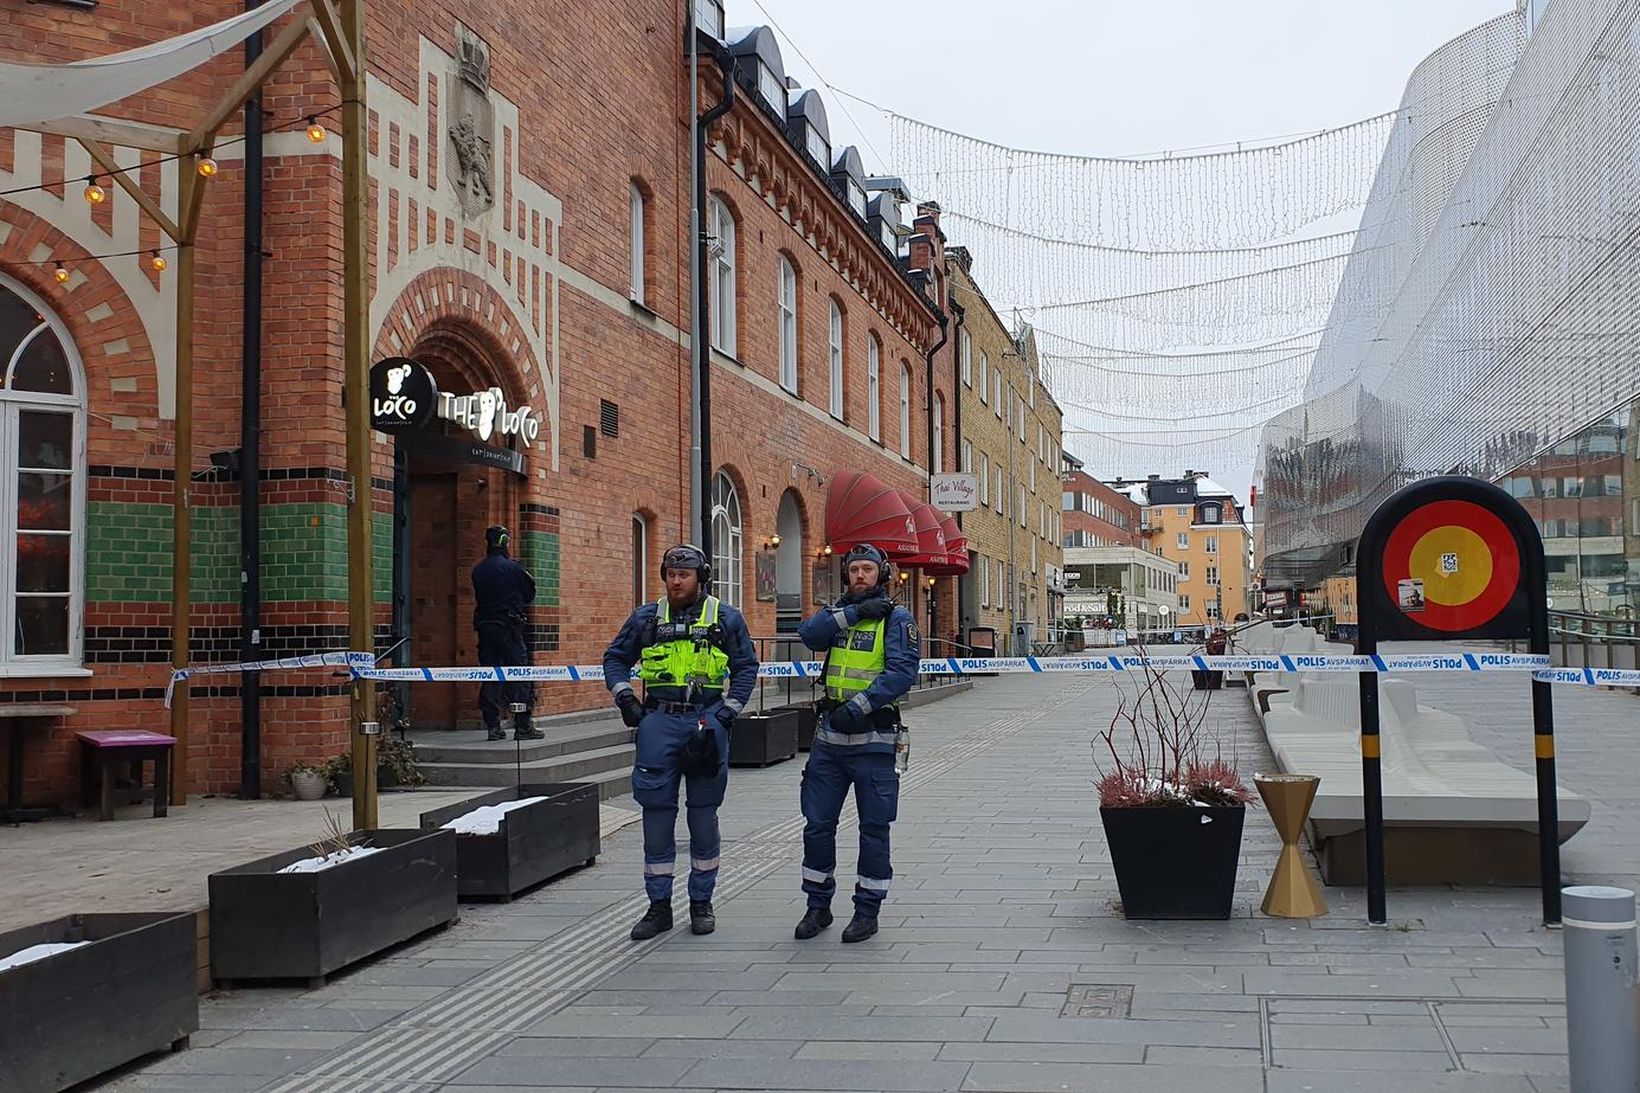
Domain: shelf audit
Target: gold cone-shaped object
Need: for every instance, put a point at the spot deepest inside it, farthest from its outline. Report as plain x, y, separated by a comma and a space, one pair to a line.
1293, 892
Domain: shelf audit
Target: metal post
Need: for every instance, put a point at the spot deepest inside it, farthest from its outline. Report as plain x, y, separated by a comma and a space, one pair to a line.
1602, 1036
182, 462
361, 600
1372, 790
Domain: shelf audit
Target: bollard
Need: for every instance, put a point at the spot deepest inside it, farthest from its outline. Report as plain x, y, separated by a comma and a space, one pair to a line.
1602, 1036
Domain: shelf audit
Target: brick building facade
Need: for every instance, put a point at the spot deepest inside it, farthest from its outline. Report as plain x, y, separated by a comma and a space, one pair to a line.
1011, 442
529, 233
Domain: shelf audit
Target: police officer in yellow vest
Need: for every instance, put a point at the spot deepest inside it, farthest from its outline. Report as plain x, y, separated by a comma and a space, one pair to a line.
695, 658
872, 648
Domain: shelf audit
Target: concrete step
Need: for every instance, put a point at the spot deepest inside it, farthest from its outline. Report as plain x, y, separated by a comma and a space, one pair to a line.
469, 746
593, 764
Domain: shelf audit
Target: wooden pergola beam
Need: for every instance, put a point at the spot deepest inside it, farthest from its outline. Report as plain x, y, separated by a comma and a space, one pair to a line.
341, 53
282, 46
122, 178
84, 127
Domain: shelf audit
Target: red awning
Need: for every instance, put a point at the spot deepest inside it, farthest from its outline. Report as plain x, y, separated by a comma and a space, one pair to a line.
931, 547
861, 509
956, 549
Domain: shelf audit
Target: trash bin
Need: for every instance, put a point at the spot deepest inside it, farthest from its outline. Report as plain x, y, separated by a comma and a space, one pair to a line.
1211, 679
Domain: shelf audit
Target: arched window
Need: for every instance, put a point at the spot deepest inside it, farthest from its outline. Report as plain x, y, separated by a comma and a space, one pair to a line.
788, 325
835, 347
905, 411
722, 287
874, 388
726, 536
42, 484
640, 559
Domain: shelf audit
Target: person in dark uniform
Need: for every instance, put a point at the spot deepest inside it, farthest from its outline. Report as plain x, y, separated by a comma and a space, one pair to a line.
698, 667
872, 650
504, 591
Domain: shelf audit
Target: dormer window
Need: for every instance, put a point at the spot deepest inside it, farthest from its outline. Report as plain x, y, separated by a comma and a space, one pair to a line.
1211, 514
857, 197
772, 88
818, 148
709, 17
890, 240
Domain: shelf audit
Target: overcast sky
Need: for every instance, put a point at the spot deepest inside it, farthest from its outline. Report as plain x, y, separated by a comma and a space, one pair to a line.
1096, 77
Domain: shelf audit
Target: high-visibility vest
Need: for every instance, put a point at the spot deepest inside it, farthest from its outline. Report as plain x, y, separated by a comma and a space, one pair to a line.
683, 653
856, 659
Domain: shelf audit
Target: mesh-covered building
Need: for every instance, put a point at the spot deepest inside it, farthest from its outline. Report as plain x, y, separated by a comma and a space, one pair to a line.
1486, 318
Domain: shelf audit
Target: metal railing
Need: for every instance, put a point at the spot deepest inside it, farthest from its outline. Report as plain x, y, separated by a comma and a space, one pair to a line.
1580, 640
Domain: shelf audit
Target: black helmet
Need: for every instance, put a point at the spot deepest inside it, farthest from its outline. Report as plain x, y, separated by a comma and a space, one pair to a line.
496, 535
865, 552
687, 556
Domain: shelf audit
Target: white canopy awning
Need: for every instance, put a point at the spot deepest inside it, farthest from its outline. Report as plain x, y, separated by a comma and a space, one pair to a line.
31, 94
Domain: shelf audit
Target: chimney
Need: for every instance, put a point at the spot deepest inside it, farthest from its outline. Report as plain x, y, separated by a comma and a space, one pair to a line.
928, 249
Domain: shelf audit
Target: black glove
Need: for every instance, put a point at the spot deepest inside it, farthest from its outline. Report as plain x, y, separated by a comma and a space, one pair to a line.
843, 718
724, 714
878, 607
631, 709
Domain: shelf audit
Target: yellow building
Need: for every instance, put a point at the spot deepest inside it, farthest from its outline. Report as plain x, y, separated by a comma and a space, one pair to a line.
1009, 430
1200, 525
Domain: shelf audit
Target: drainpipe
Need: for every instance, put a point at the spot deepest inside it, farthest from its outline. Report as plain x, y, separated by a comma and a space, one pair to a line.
945, 334
700, 342
956, 309
250, 445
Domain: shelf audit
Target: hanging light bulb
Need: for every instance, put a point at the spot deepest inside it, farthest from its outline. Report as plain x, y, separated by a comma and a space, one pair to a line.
158, 262
94, 193
207, 167
61, 273
316, 132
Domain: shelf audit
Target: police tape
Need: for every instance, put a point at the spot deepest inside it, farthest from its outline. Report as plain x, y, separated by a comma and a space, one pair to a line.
362, 666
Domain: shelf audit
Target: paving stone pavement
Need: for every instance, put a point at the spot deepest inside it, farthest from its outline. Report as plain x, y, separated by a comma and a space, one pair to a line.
1003, 905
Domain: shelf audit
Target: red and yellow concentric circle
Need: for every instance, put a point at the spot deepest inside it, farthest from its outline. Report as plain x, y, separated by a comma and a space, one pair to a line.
1466, 557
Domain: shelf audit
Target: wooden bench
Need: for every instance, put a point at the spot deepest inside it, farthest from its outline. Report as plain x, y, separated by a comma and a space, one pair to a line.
102, 749
16, 717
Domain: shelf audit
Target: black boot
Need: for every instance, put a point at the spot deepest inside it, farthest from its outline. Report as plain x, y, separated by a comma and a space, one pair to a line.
495, 732
814, 920
701, 918
656, 920
527, 732
859, 928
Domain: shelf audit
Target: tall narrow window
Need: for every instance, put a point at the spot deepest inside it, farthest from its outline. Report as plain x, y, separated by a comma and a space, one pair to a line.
635, 242
968, 457
985, 480
996, 402
788, 326
984, 377
874, 389
905, 411
726, 539
965, 355
835, 353
640, 560
939, 435
42, 486
723, 278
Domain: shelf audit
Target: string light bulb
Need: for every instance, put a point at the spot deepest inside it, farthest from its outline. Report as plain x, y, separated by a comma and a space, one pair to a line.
207, 167
158, 262
315, 132
61, 274
94, 193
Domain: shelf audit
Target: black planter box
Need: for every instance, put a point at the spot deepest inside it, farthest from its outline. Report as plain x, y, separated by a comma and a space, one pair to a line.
271, 925
1175, 862
759, 739
72, 1016
1206, 680
531, 844
808, 719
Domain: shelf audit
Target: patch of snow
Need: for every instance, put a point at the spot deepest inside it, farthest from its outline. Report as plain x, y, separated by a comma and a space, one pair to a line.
486, 819
38, 952
337, 857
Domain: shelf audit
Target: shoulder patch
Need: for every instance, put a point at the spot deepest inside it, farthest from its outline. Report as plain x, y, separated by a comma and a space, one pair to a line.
912, 632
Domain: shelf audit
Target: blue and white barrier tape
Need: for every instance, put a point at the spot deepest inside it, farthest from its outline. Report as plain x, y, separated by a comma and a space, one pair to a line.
362, 666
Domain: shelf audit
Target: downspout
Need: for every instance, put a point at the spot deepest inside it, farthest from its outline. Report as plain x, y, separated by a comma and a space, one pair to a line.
963, 582
701, 350
945, 334
250, 445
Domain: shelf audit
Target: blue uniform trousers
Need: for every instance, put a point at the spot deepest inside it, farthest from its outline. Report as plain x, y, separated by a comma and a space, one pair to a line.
831, 770
655, 778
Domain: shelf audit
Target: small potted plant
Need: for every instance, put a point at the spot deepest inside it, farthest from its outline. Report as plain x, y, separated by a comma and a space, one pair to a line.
339, 769
1172, 812
396, 764
308, 781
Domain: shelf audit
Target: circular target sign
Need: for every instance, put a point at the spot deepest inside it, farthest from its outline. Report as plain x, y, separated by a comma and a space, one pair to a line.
1451, 565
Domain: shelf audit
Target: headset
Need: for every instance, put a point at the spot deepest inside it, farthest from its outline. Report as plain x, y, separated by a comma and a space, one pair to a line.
687, 556
496, 535
865, 552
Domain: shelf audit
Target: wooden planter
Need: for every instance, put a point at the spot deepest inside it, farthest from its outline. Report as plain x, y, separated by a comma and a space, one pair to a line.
1175, 862
759, 739
271, 925
78, 1013
530, 845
